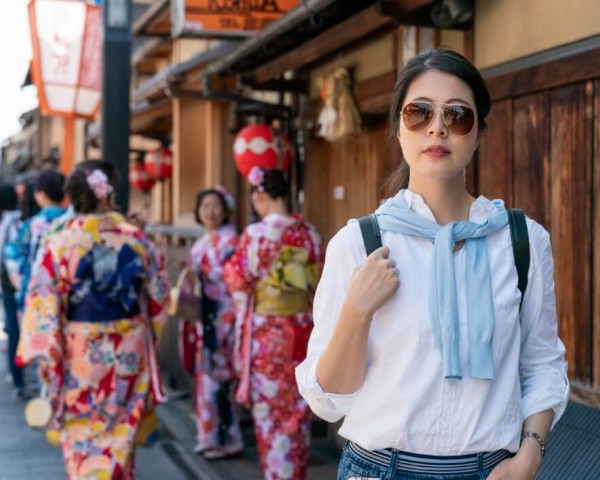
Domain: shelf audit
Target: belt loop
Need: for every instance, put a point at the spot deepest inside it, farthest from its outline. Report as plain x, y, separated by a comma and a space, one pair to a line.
392, 467
480, 465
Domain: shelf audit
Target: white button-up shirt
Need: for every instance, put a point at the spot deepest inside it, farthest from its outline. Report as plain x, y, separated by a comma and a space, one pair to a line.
405, 402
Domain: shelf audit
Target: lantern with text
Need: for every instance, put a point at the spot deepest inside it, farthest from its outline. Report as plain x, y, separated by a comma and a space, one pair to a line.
259, 145
66, 68
139, 178
159, 163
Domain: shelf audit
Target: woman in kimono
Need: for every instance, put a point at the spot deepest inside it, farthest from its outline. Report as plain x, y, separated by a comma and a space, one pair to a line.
218, 430
94, 311
272, 276
48, 192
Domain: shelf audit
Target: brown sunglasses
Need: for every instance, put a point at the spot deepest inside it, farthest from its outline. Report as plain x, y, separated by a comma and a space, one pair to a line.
459, 119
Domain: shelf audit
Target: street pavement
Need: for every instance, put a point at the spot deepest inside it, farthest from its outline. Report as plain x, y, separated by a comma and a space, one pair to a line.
177, 419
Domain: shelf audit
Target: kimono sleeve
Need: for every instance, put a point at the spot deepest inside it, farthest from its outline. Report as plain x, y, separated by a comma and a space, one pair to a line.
15, 258
157, 289
240, 271
43, 319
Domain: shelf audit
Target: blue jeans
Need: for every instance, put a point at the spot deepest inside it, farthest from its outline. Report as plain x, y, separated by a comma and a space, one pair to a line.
400, 466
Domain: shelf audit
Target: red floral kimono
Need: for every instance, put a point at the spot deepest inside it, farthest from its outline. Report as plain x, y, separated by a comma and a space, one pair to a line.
94, 311
214, 377
272, 276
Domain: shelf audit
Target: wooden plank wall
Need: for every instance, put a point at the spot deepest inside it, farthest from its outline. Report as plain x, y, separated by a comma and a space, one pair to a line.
539, 154
355, 166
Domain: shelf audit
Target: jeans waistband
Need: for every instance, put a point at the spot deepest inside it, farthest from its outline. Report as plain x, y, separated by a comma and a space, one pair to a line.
427, 464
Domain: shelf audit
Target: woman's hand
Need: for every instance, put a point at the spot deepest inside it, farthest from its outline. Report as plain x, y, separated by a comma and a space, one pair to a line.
371, 286
373, 283
523, 466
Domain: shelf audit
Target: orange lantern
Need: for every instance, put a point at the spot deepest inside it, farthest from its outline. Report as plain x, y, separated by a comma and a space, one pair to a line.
258, 145
139, 178
66, 39
159, 163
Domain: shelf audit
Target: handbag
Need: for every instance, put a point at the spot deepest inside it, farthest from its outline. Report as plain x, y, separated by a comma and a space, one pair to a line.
147, 432
185, 301
188, 344
39, 411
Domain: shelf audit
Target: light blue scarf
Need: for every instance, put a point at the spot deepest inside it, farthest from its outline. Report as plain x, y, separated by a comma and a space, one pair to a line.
394, 215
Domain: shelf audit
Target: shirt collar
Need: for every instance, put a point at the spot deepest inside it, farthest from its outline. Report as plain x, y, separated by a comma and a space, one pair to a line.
481, 208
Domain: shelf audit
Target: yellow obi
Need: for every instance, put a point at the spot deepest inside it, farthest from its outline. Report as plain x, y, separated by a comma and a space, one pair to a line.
286, 291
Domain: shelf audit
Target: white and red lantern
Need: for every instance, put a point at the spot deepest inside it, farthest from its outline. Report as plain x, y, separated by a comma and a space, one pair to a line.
139, 178
259, 146
159, 163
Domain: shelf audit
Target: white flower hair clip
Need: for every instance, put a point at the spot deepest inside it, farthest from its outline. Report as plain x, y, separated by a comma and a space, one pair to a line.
256, 177
98, 182
229, 200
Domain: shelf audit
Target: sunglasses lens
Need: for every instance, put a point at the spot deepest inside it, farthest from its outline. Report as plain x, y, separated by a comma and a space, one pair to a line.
459, 119
417, 116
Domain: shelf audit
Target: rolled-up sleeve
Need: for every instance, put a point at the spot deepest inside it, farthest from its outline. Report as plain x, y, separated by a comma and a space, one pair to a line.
543, 368
342, 257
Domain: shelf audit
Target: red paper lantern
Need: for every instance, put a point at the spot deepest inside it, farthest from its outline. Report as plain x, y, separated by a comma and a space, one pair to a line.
159, 163
139, 178
257, 146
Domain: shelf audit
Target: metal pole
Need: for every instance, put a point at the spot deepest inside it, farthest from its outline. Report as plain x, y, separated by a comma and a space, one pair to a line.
116, 74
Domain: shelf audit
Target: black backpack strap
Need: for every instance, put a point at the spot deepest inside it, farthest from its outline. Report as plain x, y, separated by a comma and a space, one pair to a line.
369, 227
520, 243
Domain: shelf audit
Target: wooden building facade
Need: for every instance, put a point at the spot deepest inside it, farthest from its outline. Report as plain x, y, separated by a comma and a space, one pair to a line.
540, 152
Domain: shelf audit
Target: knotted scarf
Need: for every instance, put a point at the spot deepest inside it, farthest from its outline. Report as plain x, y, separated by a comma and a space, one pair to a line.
395, 215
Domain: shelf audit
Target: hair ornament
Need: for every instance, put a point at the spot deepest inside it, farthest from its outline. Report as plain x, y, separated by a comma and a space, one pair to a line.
98, 182
229, 200
256, 177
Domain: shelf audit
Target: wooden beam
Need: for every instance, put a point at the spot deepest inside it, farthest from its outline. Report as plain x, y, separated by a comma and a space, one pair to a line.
356, 27
575, 68
277, 85
375, 86
154, 21
405, 5
144, 119
153, 48
374, 95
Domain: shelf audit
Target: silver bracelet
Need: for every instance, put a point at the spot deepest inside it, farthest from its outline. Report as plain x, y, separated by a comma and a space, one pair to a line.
537, 438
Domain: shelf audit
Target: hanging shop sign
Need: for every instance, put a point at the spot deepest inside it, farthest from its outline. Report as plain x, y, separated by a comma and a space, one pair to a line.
258, 145
66, 41
225, 18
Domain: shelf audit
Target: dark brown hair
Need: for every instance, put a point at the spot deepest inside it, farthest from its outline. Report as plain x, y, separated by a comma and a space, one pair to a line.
274, 183
80, 194
51, 183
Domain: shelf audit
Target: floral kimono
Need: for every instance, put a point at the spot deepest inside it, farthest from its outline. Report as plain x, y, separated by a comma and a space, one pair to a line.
216, 413
94, 311
273, 275
21, 253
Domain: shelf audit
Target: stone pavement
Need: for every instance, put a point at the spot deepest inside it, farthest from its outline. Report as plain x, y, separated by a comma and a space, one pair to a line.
177, 418
25, 455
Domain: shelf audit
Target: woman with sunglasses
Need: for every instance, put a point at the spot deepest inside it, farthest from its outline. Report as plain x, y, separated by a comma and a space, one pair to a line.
423, 346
